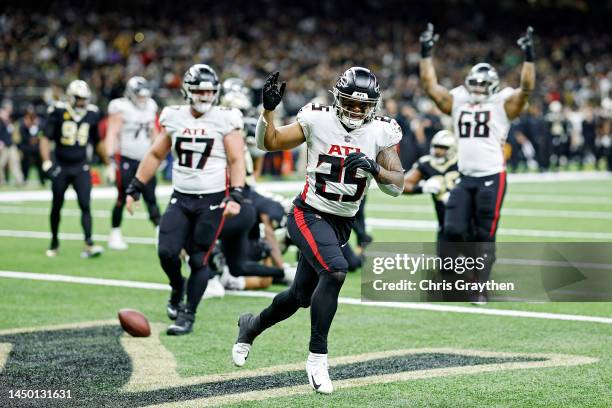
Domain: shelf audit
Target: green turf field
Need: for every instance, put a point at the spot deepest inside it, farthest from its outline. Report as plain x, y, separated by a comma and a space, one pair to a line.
64, 336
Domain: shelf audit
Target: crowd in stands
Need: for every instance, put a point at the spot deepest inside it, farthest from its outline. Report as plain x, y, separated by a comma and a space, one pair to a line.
568, 121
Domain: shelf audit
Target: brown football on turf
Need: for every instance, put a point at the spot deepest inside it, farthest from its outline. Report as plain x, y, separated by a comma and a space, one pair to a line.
134, 322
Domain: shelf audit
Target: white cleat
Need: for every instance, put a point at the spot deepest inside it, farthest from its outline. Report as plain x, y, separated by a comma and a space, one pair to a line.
115, 240
51, 253
214, 289
240, 353
92, 251
289, 271
231, 282
318, 375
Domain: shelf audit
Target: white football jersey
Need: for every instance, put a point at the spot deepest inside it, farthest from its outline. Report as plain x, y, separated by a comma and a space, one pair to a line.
329, 188
134, 139
481, 129
200, 161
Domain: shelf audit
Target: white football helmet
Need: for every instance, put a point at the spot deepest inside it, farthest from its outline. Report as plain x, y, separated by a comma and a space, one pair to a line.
443, 139
78, 93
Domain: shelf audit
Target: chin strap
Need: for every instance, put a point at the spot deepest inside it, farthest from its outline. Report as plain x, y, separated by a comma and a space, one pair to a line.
260, 133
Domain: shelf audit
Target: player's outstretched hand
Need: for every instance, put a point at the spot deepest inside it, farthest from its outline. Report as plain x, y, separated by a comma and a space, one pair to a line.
359, 160
428, 39
526, 44
133, 192
432, 186
272, 92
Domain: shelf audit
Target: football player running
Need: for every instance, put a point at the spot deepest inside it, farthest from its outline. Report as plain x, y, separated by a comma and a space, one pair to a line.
481, 115
131, 128
435, 174
72, 126
205, 140
347, 146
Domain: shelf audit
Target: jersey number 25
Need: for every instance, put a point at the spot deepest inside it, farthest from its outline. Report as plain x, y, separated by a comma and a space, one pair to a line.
335, 176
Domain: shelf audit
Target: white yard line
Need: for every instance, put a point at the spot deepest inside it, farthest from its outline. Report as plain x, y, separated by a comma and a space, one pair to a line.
349, 301
522, 212
422, 225
296, 186
72, 236
408, 208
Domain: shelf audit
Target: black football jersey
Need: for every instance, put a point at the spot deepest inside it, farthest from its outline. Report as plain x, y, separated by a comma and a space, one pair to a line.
72, 132
447, 173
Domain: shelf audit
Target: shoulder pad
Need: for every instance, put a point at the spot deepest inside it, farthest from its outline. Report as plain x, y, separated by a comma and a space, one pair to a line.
92, 108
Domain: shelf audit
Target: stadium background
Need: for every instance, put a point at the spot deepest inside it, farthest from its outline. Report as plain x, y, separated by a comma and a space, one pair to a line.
43, 47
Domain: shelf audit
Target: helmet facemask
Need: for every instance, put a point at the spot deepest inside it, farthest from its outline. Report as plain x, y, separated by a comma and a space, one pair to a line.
138, 92
78, 94
482, 82
354, 111
201, 97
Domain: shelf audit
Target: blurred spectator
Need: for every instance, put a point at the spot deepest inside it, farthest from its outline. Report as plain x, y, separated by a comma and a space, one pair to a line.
9, 155
26, 138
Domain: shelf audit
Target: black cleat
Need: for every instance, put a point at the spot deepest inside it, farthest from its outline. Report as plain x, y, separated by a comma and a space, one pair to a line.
183, 324
245, 328
175, 304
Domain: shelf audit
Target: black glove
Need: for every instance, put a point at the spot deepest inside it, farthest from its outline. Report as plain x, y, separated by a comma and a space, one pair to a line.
134, 189
428, 39
526, 44
272, 92
359, 160
236, 194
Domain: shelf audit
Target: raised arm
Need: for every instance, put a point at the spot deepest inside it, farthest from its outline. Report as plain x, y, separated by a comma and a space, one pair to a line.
439, 94
515, 103
270, 138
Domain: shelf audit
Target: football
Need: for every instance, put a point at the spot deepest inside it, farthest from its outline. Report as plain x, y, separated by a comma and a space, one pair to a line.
134, 322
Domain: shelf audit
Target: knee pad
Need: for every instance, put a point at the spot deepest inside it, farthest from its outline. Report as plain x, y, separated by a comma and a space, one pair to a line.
337, 264
337, 278
454, 231
196, 261
203, 235
165, 251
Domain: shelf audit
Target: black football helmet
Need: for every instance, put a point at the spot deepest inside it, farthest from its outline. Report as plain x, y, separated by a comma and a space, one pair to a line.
482, 81
356, 97
199, 79
137, 90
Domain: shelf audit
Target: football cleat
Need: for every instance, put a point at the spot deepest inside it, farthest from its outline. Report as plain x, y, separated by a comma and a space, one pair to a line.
231, 282
52, 252
183, 324
318, 374
242, 347
92, 251
240, 352
175, 303
115, 240
214, 289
